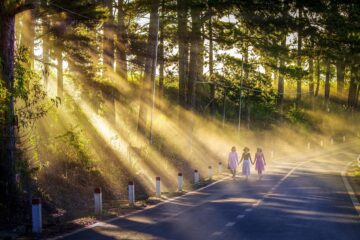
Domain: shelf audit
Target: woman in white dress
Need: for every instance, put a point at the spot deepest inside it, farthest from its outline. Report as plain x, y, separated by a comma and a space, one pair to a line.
233, 161
246, 159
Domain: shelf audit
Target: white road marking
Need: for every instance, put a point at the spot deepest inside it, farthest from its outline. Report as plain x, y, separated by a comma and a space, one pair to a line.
350, 190
248, 210
257, 203
216, 233
240, 216
230, 224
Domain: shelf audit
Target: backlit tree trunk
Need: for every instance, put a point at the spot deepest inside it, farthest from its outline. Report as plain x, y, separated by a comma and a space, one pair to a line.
29, 34
195, 41
327, 81
161, 50
298, 81
340, 76
182, 12
281, 88
121, 57
7, 131
45, 56
121, 65
109, 56
311, 76
352, 87
318, 72
60, 75
211, 69
150, 67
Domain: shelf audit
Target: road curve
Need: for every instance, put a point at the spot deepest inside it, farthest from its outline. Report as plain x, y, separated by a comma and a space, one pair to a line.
298, 198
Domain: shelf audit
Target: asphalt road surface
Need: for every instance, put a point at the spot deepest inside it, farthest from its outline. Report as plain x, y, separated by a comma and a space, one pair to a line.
298, 198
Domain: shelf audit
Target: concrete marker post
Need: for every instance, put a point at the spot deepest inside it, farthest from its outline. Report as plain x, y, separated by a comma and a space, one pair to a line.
36, 215
180, 182
220, 168
344, 138
196, 177
158, 187
322, 143
272, 154
210, 172
309, 145
131, 193
332, 141
97, 201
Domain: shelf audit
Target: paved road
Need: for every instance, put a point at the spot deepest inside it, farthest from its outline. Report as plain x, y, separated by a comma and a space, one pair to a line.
297, 199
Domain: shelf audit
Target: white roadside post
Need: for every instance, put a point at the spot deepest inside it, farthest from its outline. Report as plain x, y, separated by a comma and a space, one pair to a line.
36, 215
322, 143
309, 145
131, 193
196, 177
272, 154
180, 182
210, 172
220, 168
158, 187
98, 201
344, 138
332, 141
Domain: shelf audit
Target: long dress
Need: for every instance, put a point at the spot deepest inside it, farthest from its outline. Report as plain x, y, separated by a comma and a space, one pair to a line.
233, 161
259, 162
246, 165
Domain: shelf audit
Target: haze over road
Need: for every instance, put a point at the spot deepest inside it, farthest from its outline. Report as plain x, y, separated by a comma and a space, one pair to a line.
298, 198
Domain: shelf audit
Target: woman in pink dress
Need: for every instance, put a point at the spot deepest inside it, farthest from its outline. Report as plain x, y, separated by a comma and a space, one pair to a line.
260, 162
233, 161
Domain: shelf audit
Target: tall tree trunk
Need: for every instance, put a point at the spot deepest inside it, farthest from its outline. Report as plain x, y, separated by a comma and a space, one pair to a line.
211, 69
121, 56
195, 40
150, 66
60, 75
201, 90
7, 130
352, 87
298, 81
108, 44
121, 65
29, 34
182, 12
246, 64
318, 72
108, 56
161, 50
246, 79
248, 115
311, 76
340, 76
327, 81
46, 56
281, 88
357, 95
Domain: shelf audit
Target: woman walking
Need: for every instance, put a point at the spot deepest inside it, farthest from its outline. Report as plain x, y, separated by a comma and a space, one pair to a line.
260, 162
246, 158
233, 161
